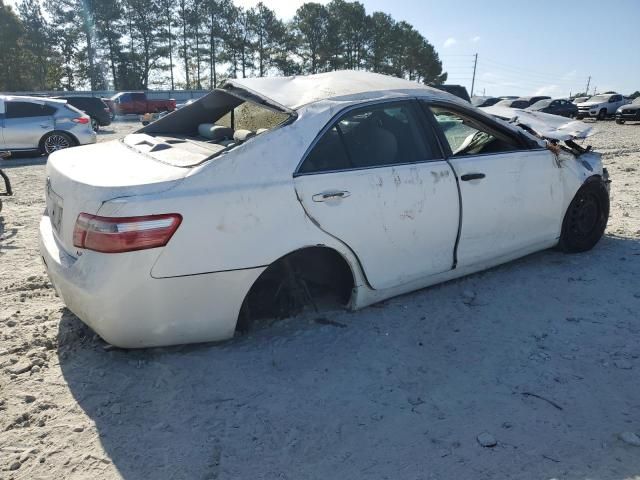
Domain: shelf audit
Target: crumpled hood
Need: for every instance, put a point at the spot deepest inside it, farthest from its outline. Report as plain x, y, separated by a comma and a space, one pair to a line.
552, 127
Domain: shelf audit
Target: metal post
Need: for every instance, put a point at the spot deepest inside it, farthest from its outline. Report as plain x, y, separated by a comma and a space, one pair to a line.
473, 81
586, 92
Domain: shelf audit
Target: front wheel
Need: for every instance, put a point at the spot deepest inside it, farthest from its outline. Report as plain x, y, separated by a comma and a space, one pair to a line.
54, 141
586, 218
602, 114
619, 122
94, 124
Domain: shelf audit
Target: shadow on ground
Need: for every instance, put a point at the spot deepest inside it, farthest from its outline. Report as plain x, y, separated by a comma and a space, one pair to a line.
402, 392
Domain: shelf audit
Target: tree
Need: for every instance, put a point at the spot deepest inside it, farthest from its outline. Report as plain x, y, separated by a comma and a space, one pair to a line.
147, 32
110, 27
134, 43
12, 51
269, 34
311, 26
184, 24
349, 26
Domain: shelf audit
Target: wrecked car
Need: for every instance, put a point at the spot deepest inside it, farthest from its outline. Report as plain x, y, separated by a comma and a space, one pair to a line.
270, 195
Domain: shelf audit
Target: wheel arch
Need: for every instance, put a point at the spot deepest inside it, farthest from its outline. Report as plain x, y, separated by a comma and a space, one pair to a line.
69, 134
320, 264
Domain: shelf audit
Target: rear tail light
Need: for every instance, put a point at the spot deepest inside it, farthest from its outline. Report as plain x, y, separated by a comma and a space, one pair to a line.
83, 120
124, 234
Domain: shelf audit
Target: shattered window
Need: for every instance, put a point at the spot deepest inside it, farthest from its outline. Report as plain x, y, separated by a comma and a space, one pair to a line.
467, 136
250, 116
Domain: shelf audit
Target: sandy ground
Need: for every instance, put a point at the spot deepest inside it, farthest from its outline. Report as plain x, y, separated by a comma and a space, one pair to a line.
542, 355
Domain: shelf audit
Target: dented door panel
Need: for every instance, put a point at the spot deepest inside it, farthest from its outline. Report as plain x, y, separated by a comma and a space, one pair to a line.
400, 221
516, 206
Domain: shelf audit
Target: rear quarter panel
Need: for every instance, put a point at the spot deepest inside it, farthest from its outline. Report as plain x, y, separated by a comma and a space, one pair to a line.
239, 211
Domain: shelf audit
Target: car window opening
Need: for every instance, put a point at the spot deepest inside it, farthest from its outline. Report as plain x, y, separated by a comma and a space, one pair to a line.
204, 129
467, 136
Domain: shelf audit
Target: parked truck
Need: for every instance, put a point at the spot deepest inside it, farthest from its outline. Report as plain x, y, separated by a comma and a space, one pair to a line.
126, 103
601, 106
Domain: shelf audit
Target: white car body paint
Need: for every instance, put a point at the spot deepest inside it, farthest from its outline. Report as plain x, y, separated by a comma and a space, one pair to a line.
244, 209
545, 124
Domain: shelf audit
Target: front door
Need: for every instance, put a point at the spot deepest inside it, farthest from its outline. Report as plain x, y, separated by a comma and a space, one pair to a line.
25, 124
512, 194
376, 180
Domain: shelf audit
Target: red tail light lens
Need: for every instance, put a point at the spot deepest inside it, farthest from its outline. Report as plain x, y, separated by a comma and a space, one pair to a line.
83, 120
124, 234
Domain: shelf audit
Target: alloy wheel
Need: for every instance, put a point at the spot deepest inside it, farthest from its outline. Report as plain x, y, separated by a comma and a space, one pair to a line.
56, 142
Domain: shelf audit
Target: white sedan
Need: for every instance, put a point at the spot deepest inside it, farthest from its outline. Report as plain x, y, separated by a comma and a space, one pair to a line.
272, 194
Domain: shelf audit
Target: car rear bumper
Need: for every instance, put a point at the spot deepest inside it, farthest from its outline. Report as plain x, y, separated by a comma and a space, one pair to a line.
117, 297
84, 135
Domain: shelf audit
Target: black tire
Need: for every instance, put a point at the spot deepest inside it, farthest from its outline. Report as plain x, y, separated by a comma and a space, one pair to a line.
55, 141
602, 114
619, 122
586, 218
94, 124
579, 117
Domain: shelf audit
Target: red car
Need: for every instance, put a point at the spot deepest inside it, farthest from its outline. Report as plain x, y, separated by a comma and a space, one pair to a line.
124, 103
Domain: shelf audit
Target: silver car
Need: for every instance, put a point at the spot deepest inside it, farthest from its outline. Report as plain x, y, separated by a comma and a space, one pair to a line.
43, 124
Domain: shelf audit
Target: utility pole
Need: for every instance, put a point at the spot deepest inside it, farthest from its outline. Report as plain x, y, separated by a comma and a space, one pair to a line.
473, 81
588, 82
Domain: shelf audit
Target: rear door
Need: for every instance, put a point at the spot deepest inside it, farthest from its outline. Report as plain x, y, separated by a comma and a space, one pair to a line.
26, 123
512, 195
376, 179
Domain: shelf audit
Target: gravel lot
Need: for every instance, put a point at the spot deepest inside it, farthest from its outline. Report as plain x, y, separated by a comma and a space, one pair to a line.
540, 356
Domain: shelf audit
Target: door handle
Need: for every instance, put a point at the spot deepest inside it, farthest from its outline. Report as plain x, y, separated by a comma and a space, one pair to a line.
471, 176
324, 196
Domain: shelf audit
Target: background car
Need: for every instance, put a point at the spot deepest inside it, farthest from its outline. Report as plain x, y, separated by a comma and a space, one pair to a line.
458, 90
513, 103
95, 107
558, 106
629, 112
126, 103
43, 124
601, 106
534, 99
485, 101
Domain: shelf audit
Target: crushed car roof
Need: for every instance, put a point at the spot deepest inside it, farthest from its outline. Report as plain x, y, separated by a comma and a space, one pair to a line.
297, 91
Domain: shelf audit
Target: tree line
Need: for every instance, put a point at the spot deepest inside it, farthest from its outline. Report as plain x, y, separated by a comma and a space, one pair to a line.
195, 44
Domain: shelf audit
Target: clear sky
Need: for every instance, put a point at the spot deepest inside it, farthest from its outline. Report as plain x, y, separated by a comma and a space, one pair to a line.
524, 47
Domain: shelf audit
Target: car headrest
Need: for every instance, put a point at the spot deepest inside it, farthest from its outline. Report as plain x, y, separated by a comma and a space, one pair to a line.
215, 132
383, 147
240, 136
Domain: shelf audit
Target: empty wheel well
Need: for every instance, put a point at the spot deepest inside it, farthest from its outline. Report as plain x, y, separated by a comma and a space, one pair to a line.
312, 276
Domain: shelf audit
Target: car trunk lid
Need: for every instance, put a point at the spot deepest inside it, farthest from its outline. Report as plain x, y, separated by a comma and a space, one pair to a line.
81, 179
